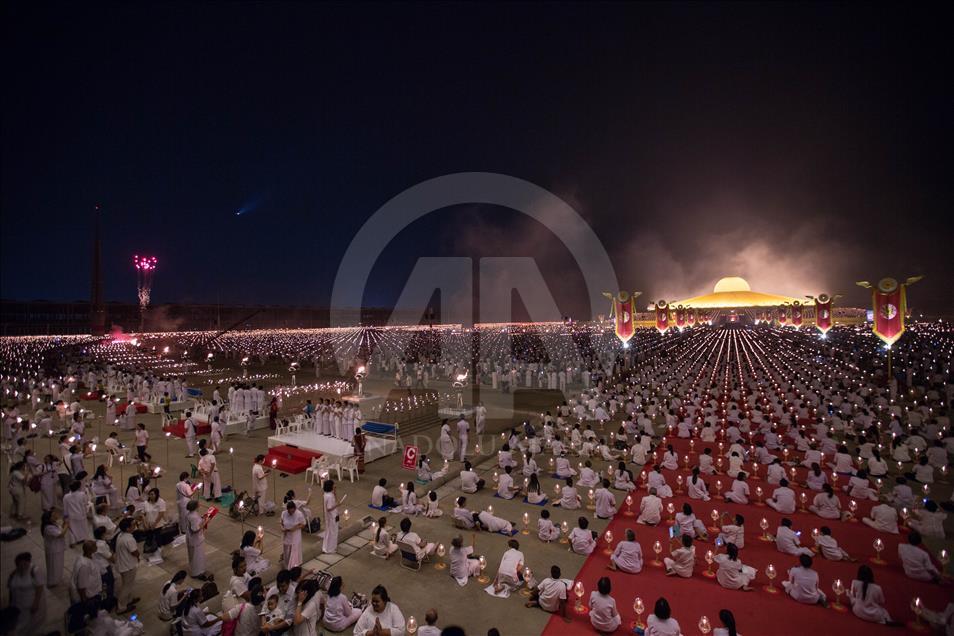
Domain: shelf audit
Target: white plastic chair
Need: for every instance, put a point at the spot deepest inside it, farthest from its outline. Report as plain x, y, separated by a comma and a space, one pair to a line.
313, 472
349, 464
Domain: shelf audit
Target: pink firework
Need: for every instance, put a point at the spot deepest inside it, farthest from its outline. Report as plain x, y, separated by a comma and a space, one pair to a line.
145, 267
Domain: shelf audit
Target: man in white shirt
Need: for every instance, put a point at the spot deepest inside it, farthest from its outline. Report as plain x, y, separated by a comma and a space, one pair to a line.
650, 509
510, 572
915, 561
550, 594
783, 499
505, 487
87, 582
469, 481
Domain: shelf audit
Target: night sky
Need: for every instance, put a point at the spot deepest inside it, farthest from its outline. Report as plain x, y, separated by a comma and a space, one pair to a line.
804, 147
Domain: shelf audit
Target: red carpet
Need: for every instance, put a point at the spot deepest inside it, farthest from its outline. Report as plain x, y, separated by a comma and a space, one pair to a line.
757, 613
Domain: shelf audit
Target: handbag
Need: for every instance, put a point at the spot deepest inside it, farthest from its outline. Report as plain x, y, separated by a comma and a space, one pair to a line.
228, 627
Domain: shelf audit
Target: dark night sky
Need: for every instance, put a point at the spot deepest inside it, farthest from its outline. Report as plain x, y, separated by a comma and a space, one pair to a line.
801, 146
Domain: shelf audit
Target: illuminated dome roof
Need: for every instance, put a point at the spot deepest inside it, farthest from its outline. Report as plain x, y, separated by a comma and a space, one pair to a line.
732, 284
731, 292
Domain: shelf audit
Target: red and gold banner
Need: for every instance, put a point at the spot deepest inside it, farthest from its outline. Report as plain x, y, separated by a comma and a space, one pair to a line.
662, 316
823, 315
797, 314
691, 316
624, 314
680, 316
889, 302
782, 316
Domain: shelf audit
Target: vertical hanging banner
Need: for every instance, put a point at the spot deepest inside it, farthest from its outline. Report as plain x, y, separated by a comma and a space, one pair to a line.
662, 316
680, 316
691, 316
889, 302
782, 315
797, 314
623, 313
824, 319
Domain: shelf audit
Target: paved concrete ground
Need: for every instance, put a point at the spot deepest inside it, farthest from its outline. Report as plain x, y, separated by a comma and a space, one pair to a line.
413, 592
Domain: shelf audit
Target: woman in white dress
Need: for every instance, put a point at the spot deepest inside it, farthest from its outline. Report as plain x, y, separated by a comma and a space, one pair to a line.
409, 505
330, 506
604, 617
867, 598
696, 488
54, 546
380, 612
195, 622
308, 609
732, 574
825, 504
728, 624
169, 596
383, 545
339, 615
463, 564
251, 548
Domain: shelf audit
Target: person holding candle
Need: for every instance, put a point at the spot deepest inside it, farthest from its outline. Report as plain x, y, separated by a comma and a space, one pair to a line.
330, 505
251, 548
195, 540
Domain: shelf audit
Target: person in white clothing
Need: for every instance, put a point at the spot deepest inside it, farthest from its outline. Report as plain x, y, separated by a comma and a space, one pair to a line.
413, 540
739, 491
783, 499
550, 594
546, 530
661, 622
604, 617
339, 615
915, 561
787, 540
728, 624
380, 617
884, 518
463, 563
292, 523
330, 505
802, 583
867, 598
732, 573
650, 509
582, 539
510, 572
628, 555
828, 547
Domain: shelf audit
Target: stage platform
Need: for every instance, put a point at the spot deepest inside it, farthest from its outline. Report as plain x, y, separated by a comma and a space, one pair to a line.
376, 447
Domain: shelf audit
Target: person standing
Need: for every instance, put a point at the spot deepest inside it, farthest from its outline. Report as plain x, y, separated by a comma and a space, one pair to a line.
27, 595
48, 479
211, 482
75, 505
195, 540
292, 523
190, 434
260, 482
445, 443
127, 561
54, 546
462, 430
330, 506
184, 492
359, 441
142, 439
